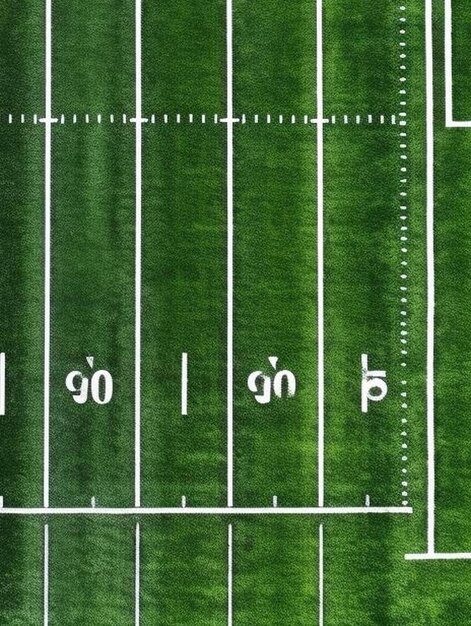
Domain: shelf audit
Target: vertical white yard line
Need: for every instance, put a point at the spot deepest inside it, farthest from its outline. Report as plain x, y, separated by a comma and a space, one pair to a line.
47, 247
184, 399
138, 259
230, 258
2, 383
137, 576
430, 279
320, 249
321, 575
46, 576
229, 576
448, 64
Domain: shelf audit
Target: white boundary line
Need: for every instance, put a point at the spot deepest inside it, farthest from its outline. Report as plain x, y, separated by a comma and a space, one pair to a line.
230, 257
46, 576
321, 575
138, 259
320, 249
430, 278
360, 510
229, 576
137, 576
47, 245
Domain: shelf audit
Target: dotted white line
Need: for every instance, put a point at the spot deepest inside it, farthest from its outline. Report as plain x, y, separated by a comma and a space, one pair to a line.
403, 239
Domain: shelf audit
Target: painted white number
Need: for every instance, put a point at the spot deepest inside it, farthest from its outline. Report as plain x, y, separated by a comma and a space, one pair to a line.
262, 385
99, 386
373, 385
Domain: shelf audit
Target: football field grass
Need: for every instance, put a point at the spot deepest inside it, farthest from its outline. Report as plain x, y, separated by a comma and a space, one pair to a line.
213, 215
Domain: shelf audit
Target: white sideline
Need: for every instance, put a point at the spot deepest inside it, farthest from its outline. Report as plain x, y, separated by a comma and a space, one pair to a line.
137, 576
360, 510
321, 575
230, 256
138, 259
229, 575
46, 576
320, 252
430, 279
47, 246
2, 383
184, 392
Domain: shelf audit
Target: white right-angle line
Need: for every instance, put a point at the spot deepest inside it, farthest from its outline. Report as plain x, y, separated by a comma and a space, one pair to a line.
430, 278
47, 246
229, 575
321, 575
320, 250
46, 576
230, 256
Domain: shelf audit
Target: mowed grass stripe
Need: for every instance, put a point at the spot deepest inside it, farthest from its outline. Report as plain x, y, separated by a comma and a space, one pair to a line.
275, 254
92, 255
21, 254
184, 257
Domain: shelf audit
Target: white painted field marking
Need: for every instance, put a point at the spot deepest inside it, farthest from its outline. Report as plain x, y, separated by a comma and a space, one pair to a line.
230, 255
47, 247
1, 502
376, 510
138, 257
93, 502
439, 556
321, 575
137, 577
449, 121
184, 399
229, 576
320, 249
46, 576
183, 501
275, 501
430, 277
2, 383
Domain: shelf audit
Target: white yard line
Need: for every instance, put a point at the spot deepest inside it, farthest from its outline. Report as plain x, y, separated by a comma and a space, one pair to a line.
47, 245
320, 250
439, 556
230, 257
137, 577
229, 576
360, 510
46, 576
321, 575
184, 398
138, 259
430, 279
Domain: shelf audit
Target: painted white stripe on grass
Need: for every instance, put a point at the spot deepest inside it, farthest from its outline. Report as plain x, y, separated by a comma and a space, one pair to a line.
46, 576
138, 258
229, 576
321, 575
448, 65
430, 279
320, 250
439, 556
2, 383
47, 247
137, 577
184, 400
399, 510
230, 256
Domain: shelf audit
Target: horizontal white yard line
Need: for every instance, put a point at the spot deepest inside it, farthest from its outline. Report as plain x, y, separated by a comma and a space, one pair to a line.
370, 510
439, 556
